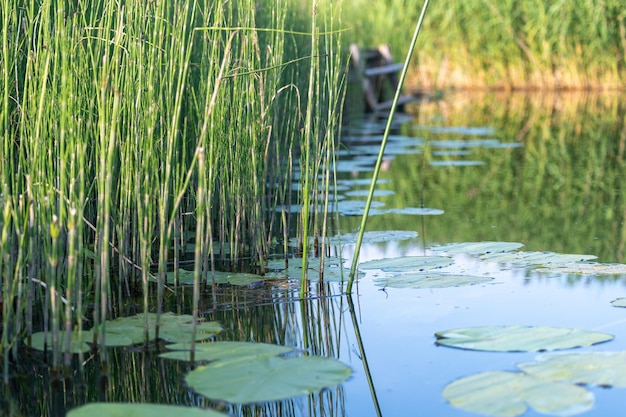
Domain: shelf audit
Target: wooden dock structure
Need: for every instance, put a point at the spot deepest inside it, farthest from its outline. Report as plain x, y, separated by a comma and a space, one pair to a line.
377, 73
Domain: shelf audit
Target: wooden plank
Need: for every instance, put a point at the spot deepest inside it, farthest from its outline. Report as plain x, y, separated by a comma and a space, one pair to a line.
385, 69
386, 105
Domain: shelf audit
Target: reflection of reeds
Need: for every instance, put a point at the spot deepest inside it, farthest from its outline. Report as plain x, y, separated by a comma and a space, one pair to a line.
137, 374
104, 112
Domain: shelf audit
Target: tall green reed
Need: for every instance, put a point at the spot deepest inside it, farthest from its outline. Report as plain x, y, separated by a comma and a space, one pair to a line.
105, 109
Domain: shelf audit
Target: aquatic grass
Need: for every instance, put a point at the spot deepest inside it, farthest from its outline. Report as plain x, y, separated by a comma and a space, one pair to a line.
106, 111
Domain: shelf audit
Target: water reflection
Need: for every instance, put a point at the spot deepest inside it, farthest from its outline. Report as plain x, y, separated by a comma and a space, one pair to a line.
555, 182
551, 177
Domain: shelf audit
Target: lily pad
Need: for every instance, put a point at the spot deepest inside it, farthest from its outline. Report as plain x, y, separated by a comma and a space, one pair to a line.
429, 280
78, 344
455, 163
535, 258
619, 302
140, 410
221, 277
417, 211
127, 331
261, 379
333, 269
224, 350
172, 327
365, 193
357, 207
477, 248
408, 263
587, 268
588, 368
374, 237
519, 338
509, 394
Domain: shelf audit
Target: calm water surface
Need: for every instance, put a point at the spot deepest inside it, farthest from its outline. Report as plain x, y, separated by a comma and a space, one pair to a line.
545, 171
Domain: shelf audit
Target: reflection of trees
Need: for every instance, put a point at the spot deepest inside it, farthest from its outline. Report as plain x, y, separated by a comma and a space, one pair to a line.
562, 191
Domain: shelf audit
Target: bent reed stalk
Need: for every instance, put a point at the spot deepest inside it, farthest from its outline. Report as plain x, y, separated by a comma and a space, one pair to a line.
381, 153
105, 112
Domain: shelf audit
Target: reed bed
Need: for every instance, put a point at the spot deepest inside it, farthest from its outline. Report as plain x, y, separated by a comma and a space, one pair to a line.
132, 130
501, 44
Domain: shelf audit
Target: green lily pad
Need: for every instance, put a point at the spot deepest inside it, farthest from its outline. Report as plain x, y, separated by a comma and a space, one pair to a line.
408, 263
519, 338
127, 331
588, 368
586, 268
333, 269
535, 258
456, 163
173, 327
619, 302
509, 394
78, 344
186, 277
373, 237
140, 410
261, 379
429, 280
224, 350
365, 193
417, 211
477, 248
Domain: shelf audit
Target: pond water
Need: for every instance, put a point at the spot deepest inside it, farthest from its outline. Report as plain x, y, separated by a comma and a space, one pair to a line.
547, 172
544, 171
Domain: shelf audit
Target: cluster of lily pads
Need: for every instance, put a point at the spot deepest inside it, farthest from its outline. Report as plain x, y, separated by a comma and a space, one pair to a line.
236, 372
551, 384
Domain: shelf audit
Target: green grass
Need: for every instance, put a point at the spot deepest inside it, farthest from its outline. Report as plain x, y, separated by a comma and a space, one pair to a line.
131, 130
503, 44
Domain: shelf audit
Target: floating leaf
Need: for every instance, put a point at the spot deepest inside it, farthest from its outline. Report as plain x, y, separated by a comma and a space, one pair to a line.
365, 193
452, 153
519, 338
221, 277
417, 211
589, 368
373, 237
619, 302
429, 280
140, 410
408, 263
252, 380
224, 350
535, 258
333, 269
477, 248
509, 394
455, 163
131, 330
586, 268
357, 207
77, 344
173, 327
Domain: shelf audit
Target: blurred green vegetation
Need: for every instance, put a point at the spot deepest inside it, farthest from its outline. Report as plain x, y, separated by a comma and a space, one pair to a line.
505, 43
